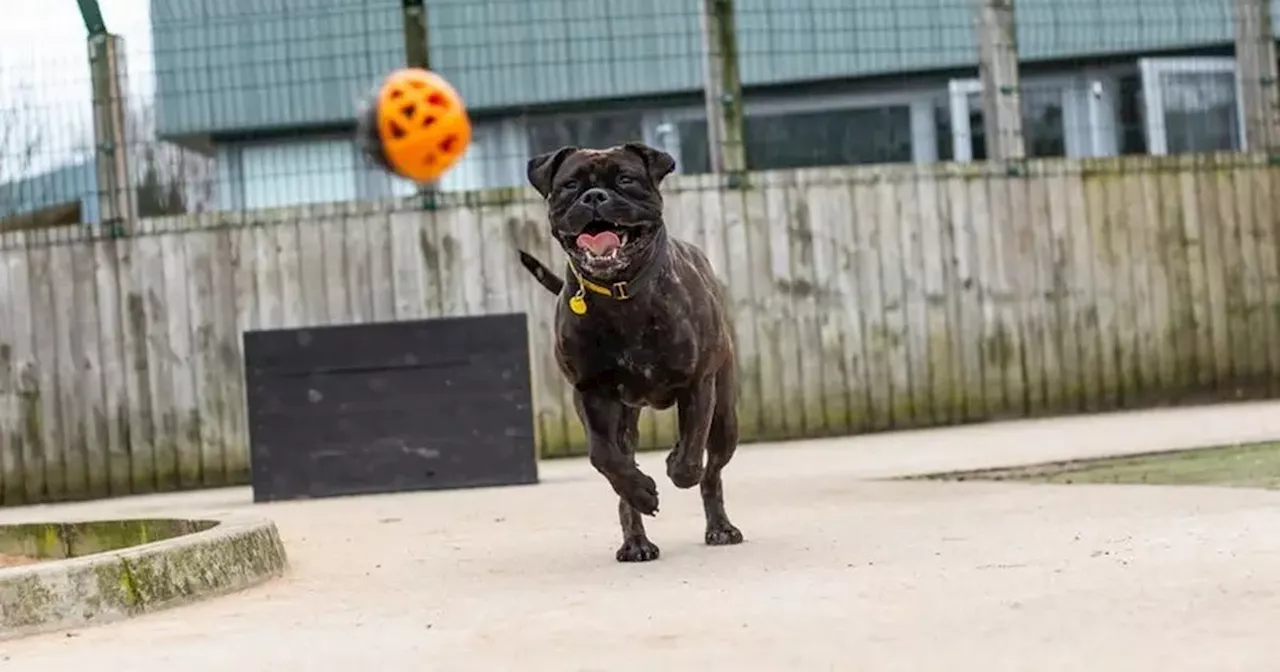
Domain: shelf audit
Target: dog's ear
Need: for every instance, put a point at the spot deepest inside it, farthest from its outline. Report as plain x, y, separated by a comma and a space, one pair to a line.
659, 163
542, 168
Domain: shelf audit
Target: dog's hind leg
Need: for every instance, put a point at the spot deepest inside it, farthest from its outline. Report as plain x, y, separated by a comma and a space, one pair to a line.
695, 409
722, 442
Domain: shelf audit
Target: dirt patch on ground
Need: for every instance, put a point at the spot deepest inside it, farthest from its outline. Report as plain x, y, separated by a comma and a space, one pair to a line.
16, 560
1254, 465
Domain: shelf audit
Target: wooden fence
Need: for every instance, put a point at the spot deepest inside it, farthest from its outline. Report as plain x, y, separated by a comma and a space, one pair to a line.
863, 299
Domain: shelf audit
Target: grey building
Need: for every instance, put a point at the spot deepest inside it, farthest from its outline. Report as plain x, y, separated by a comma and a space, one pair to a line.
269, 87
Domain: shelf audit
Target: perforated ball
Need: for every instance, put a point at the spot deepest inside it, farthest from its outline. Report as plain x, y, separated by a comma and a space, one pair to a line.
417, 125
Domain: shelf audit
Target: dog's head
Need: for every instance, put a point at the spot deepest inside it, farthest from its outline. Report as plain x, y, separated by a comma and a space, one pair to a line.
604, 204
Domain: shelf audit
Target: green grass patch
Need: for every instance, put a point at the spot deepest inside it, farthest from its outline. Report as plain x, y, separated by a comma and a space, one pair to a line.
1254, 465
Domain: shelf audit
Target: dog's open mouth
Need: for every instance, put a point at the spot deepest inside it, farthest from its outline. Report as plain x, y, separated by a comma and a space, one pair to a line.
601, 241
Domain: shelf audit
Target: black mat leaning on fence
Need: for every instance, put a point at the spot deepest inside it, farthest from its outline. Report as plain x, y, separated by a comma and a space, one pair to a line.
390, 407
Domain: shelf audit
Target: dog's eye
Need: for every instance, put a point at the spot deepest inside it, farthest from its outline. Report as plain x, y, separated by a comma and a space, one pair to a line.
570, 185
626, 181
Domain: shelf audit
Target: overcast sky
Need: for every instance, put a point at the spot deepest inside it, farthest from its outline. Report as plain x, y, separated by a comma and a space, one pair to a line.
44, 71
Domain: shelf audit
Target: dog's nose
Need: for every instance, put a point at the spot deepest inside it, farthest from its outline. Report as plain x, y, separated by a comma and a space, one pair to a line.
595, 197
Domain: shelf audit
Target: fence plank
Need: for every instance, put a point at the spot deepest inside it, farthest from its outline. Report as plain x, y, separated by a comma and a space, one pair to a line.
1028, 226
293, 313
333, 246
114, 425
966, 317
782, 320
63, 469
1234, 320
1122, 261
381, 286
758, 263
228, 385
1102, 299
989, 337
151, 282
312, 269
355, 238
406, 266
268, 271
497, 261
548, 389
1064, 388
1180, 314
29, 376
1251, 315
740, 290
1215, 270
868, 260
12, 490
823, 193
845, 260
893, 338
797, 292
183, 419
934, 254
911, 269
1264, 206
1206, 365
1044, 328
1159, 347
202, 315
85, 344
1005, 348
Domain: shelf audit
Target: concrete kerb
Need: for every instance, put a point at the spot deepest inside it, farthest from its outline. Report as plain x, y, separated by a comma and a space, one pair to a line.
234, 554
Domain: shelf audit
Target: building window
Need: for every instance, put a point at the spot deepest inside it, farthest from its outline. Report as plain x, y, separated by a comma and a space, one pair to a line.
295, 173
694, 154
1044, 129
1130, 117
829, 138
1191, 105
838, 137
597, 131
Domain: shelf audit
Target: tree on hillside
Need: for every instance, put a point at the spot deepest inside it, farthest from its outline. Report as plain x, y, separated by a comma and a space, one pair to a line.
19, 145
170, 180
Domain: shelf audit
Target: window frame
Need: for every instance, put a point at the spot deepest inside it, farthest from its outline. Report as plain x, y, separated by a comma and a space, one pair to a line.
1152, 69
920, 101
1088, 117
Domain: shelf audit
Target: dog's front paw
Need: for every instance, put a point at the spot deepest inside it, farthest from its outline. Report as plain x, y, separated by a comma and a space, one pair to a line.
683, 475
641, 492
723, 533
638, 549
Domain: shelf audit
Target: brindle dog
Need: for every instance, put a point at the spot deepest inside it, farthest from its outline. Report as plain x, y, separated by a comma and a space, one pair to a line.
641, 321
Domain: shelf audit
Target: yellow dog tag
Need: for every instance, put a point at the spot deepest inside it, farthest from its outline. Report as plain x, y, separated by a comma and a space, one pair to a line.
578, 304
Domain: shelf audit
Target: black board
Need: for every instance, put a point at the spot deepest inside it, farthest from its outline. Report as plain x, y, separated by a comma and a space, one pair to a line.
390, 407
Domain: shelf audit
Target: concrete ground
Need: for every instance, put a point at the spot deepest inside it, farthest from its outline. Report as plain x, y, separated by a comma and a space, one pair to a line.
839, 572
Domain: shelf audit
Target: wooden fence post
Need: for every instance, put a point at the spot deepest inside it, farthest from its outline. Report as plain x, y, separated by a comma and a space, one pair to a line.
1001, 89
417, 54
1257, 71
117, 204
722, 84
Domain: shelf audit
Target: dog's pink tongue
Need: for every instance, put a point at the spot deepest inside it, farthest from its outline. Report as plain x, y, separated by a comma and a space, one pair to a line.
599, 244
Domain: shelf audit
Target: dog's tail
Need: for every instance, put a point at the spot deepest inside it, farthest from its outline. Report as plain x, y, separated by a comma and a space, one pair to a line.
548, 279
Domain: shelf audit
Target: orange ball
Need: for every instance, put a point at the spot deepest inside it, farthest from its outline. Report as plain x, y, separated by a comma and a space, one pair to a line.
422, 124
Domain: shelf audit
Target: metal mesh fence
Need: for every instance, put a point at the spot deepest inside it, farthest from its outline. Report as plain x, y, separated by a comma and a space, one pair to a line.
251, 104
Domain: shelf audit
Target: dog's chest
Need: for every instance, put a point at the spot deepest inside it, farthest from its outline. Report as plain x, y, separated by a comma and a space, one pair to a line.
642, 367
645, 378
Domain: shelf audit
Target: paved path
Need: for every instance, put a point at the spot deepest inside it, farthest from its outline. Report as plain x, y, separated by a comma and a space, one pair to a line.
840, 572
